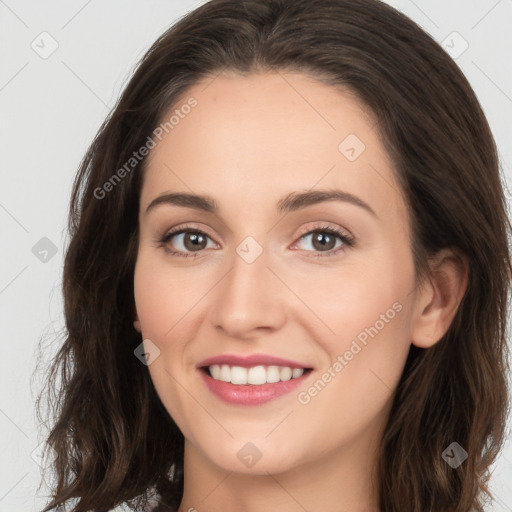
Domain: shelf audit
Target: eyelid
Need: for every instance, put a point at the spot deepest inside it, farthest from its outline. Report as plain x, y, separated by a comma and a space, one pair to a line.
187, 227
325, 226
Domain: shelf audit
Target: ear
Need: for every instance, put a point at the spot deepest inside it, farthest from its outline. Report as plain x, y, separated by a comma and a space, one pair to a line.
136, 323
439, 297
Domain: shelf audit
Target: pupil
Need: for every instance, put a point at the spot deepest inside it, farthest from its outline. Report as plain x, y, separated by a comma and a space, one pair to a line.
195, 240
320, 239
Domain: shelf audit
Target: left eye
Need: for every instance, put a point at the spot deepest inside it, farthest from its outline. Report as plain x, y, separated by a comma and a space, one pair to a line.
324, 240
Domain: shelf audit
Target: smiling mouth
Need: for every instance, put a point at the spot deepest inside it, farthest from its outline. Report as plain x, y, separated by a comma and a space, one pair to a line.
254, 375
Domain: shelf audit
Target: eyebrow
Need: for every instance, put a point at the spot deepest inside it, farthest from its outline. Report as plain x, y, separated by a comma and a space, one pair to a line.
292, 202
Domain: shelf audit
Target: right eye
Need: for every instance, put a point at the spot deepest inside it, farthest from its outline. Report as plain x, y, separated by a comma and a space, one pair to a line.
185, 241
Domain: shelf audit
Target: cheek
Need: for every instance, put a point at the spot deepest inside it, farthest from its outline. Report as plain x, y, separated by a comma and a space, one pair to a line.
366, 323
164, 296
167, 301
162, 303
366, 357
365, 295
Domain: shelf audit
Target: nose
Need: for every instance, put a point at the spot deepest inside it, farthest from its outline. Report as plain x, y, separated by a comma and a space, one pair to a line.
249, 300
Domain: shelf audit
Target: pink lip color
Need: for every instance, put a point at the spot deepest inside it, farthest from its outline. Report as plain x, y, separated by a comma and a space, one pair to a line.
252, 360
250, 394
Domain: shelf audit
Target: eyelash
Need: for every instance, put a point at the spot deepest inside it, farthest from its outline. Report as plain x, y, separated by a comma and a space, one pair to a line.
348, 241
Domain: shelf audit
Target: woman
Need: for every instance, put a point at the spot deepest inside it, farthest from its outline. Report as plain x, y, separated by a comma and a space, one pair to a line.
287, 282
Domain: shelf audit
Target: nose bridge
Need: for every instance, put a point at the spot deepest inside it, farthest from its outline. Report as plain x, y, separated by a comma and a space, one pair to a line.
248, 297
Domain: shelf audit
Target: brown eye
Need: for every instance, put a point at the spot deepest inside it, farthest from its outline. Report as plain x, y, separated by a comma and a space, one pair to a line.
194, 241
323, 241
185, 241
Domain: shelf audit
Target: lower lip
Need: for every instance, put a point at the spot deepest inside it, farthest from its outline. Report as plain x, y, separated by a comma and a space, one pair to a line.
251, 394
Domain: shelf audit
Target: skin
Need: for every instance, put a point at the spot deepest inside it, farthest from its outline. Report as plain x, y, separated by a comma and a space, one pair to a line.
248, 143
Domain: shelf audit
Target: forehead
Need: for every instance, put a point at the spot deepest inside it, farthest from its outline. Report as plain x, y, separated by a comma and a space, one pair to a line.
253, 139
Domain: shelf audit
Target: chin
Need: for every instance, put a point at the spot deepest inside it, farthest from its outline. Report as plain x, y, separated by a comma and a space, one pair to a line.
258, 457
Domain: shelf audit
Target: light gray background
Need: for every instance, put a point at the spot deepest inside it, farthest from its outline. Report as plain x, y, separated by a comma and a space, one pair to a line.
51, 108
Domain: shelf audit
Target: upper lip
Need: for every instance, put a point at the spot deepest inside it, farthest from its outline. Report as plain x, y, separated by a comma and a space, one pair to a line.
249, 361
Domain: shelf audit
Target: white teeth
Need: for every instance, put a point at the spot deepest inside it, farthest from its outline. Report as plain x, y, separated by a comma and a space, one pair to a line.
238, 375
297, 372
215, 371
285, 373
225, 373
256, 375
273, 374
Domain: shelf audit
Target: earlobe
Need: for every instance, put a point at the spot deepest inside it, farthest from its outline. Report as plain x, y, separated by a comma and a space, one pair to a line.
135, 316
136, 323
439, 298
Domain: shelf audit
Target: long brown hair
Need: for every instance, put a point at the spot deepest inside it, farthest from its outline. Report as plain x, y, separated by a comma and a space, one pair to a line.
112, 439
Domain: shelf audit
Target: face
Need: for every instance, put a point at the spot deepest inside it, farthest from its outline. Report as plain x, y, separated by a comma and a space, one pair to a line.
299, 265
